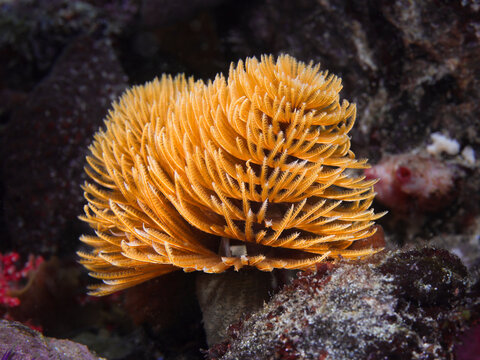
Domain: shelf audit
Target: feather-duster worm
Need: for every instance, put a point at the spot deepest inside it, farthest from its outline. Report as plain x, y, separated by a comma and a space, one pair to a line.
251, 170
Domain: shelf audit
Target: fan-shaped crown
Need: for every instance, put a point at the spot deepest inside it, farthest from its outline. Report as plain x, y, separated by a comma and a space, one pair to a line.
253, 170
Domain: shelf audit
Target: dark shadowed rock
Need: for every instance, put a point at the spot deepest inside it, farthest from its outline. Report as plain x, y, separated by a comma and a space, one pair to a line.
46, 141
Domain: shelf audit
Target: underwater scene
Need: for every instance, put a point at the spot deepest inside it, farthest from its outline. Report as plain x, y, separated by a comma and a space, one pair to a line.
239, 180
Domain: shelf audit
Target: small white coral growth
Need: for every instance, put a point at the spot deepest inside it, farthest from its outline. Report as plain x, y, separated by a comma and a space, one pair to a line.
443, 144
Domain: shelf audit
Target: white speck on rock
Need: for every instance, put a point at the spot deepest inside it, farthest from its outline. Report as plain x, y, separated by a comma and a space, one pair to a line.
469, 155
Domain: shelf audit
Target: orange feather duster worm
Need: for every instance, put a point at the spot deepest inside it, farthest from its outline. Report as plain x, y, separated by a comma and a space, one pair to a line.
250, 170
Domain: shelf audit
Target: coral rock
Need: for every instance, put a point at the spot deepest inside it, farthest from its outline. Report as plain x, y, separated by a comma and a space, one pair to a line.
402, 305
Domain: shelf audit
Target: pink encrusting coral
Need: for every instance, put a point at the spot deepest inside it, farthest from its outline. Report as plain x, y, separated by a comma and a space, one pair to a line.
410, 182
13, 274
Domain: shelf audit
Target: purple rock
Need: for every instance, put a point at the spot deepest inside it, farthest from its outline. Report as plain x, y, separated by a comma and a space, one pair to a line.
18, 342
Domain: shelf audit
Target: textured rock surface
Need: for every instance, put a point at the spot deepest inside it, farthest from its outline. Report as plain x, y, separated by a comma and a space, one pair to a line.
469, 346
410, 66
402, 305
23, 343
34, 32
412, 69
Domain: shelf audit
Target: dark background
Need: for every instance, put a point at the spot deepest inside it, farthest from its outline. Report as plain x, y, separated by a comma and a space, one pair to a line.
411, 67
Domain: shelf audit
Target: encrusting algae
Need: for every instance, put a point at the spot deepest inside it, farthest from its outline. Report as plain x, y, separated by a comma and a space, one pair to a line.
250, 170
